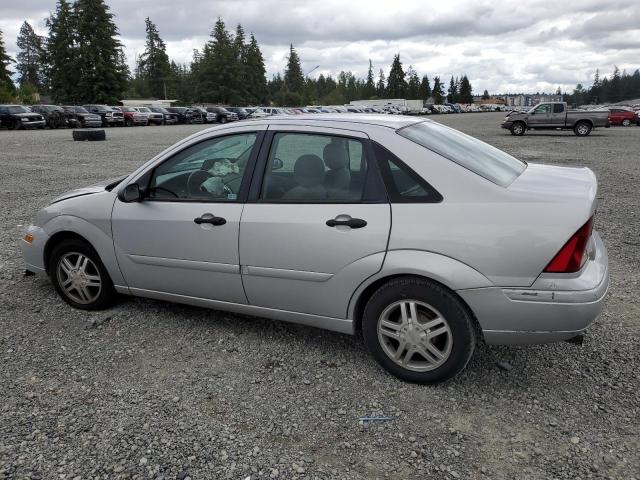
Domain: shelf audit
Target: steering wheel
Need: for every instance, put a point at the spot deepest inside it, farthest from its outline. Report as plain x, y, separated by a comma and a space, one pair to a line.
195, 181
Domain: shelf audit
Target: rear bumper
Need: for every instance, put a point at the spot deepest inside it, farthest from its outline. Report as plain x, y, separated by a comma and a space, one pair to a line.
555, 308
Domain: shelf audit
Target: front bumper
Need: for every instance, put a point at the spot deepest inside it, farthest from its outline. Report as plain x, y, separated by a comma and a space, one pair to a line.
33, 252
555, 308
506, 124
33, 124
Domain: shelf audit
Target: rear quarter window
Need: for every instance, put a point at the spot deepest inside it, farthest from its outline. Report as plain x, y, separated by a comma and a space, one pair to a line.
481, 158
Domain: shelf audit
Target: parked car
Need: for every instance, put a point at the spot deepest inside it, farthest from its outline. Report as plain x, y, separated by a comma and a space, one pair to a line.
305, 204
622, 116
222, 114
186, 115
207, 117
117, 118
241, 112
168, 117
133, 117
109, 116
556, 115
17, 117
273, 111
53, 115
154, 117
256, 112
79, 117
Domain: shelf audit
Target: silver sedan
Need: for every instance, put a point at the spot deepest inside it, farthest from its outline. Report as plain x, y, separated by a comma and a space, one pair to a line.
424, 240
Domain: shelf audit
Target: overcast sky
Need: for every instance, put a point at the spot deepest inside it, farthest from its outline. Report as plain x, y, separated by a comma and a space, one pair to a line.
503, 46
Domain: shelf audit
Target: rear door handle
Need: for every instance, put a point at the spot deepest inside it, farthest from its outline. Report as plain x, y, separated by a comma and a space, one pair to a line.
348, 222
210, 219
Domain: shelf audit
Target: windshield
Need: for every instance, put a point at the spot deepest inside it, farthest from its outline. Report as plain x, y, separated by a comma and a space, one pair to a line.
159, 110
144, 109
80, 109
18, 109
101, 108
471, 153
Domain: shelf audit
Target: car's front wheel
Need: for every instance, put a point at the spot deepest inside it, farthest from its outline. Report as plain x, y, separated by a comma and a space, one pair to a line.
79, 276
626, 122
418, 330
518, 129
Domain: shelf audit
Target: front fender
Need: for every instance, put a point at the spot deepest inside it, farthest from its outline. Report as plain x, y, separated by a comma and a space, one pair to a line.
445, 270
101, 241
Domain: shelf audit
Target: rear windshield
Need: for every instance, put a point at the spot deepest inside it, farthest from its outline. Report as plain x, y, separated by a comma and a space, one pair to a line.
471, 153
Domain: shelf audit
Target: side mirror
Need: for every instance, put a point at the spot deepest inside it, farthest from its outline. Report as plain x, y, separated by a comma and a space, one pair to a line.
131, 193
277, 164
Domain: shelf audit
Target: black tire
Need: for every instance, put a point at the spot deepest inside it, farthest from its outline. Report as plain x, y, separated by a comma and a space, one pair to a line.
582, 129
451, 309
90, 135
129, 122
223, 120
518, 129
626, 122
105, 296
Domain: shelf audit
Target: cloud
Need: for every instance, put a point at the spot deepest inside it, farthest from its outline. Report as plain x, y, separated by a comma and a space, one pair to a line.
506, 46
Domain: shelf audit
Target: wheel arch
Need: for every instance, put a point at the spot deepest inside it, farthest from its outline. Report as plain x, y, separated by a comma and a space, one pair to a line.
63, 227
584, 120
445, 271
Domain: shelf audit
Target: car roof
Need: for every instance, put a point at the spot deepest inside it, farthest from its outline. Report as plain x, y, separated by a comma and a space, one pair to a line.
390, 121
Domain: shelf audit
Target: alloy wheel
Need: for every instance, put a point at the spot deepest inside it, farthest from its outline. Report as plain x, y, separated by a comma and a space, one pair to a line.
79, 277
414, 335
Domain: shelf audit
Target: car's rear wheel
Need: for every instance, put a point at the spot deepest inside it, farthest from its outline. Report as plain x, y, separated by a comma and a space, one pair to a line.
223, 119
79, 276
418, 330
518, 129
582, 129
626, 122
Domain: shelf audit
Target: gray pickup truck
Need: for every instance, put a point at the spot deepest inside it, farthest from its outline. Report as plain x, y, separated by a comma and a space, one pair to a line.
556, 115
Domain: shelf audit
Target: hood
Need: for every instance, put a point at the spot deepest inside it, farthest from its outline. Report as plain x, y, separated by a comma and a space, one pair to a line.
96, 188
27, 115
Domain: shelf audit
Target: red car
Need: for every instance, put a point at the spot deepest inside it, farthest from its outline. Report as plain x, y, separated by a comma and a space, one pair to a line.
622, 116
132, 117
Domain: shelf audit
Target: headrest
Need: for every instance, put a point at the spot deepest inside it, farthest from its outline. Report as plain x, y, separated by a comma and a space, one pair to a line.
308, 171
335, 156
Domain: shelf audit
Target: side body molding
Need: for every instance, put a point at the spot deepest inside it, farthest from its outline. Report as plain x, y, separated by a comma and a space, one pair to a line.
451, 273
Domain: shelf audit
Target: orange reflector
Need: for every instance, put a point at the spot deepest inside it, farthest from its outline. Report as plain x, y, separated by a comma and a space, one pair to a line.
28, 238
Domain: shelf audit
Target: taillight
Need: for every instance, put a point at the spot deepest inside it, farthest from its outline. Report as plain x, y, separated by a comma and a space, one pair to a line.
571, 257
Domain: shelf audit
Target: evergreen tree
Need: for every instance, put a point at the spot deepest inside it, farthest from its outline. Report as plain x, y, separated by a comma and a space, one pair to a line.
438, 91
101, 73
293, 77
381, 88
370, 86
256, 80
413, 85
239, 65
452, 95
62, 71
396, 84
485, 95
465, 92
7, 88
425, 88
30, 58
154, 67
216, 81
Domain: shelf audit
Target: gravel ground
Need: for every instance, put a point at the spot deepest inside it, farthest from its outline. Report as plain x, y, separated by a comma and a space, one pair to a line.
155, 390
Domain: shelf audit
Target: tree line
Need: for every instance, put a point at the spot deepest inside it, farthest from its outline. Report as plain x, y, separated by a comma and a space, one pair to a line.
616, 88
81, 60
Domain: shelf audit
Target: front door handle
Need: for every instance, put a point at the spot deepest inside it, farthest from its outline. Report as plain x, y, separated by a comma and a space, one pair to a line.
348, 222
210, 219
